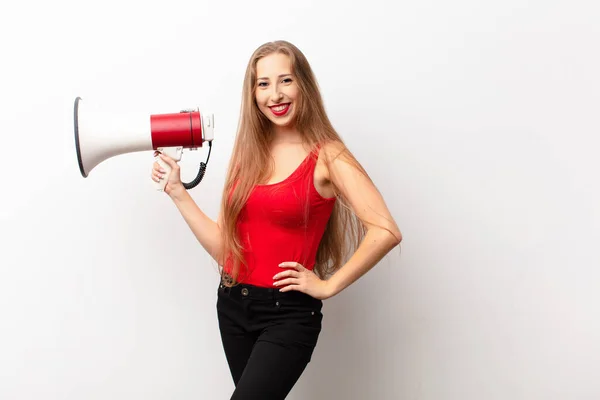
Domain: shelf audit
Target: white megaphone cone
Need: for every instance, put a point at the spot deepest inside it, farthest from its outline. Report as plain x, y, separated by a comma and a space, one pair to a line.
99, 136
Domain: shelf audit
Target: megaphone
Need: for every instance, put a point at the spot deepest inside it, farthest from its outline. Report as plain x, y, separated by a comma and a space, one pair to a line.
100, 135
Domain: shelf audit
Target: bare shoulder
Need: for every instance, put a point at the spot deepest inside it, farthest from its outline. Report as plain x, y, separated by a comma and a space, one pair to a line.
331, 155
336, 157
350, 180
332, 150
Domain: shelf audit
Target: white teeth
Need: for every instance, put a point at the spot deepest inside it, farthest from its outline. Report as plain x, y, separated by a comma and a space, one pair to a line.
280, 108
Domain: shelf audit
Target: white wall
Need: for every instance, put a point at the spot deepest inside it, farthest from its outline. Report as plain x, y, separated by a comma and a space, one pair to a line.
477, 120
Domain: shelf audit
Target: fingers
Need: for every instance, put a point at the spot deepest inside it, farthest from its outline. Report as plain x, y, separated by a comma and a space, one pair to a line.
292, 278
289, 273
169, 161
158, 172
292, 264
290, 287
157, 177
157, 167
285, 282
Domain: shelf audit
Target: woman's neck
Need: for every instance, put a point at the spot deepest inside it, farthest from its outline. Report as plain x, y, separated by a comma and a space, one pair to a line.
283, 134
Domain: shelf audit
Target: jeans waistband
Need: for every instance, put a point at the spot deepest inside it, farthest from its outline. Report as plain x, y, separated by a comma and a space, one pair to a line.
244, 290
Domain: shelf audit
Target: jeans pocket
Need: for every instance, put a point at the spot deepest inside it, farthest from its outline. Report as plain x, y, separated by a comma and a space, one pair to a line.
304, 311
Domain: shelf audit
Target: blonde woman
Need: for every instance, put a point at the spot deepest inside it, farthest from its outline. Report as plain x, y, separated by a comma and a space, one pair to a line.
300, 221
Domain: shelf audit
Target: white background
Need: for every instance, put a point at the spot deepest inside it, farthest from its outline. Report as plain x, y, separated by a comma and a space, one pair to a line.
477, 120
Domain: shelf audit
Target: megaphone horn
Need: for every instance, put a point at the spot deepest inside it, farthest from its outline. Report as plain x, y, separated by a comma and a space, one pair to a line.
99, 136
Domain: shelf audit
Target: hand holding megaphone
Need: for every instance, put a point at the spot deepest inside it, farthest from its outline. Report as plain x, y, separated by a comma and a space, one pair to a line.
166, 173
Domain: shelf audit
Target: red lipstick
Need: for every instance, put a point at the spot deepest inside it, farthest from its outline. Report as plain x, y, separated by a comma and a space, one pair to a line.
280, 112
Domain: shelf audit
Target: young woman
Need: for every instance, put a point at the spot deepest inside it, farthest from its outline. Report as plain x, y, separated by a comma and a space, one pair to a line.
300, 221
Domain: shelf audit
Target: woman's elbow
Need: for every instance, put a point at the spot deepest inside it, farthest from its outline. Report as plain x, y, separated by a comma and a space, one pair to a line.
397, 237
394, 231
391, 236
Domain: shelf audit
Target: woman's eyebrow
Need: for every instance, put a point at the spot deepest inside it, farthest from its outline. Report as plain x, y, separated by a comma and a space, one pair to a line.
280, 76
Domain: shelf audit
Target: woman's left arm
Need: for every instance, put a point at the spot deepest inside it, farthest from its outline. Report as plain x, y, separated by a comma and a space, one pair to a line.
382, 233
367, 203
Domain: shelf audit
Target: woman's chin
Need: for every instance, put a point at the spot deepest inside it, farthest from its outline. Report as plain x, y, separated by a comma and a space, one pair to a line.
287, 122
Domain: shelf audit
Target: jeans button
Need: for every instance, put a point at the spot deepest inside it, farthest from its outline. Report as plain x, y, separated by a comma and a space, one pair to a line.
244, 292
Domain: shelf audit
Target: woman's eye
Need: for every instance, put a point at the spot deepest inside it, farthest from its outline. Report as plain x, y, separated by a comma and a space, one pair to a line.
287, 80
262, 84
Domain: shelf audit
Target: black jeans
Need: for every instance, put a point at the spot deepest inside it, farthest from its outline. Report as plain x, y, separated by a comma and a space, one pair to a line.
268, 337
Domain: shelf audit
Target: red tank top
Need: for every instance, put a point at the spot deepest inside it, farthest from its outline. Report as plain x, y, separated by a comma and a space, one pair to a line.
280, 222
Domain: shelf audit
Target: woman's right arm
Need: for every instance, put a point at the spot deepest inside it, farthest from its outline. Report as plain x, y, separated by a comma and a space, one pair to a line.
207, 231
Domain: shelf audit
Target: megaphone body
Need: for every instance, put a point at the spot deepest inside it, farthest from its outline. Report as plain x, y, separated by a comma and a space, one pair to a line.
99, 136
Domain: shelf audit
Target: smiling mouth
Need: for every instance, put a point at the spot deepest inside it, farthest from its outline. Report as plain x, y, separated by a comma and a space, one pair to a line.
280, 109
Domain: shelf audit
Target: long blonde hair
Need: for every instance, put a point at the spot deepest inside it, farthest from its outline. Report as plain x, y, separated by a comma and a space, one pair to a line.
251, 163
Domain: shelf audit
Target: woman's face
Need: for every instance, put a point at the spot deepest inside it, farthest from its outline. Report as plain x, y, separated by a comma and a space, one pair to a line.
276, 92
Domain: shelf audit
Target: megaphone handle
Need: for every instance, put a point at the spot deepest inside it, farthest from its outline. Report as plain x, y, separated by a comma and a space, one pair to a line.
175, 154
160, 185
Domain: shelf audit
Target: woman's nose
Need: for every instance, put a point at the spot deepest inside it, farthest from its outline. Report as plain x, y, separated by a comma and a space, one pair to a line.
276, 95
